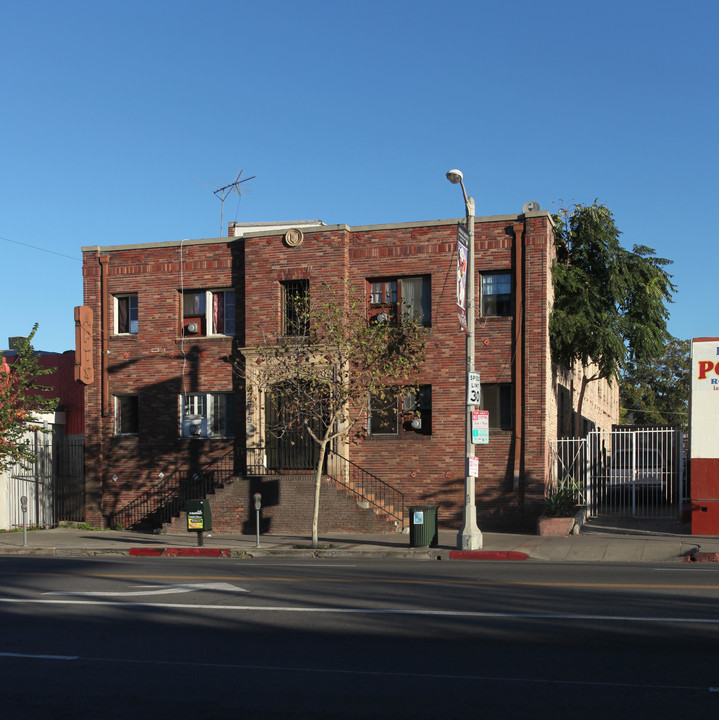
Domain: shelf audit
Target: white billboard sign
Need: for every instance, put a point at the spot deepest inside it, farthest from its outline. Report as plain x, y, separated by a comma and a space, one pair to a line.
704, 421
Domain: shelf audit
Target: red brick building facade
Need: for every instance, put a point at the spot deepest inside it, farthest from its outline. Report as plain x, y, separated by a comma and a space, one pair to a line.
169, 317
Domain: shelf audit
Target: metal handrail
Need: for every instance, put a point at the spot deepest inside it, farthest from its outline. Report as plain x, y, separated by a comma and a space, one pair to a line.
167, 498
370, 488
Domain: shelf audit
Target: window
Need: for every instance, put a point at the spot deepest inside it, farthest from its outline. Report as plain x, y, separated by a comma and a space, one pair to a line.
126, 315
496, 293
412, 294
497, 399
126, 415
208, 312
296, 307
411, 412
208, 415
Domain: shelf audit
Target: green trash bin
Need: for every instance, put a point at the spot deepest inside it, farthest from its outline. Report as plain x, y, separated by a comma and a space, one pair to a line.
423, 525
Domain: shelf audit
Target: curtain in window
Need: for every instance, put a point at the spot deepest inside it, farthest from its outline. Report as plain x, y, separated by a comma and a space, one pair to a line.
415, 299
123, 322
218, 312
194, 304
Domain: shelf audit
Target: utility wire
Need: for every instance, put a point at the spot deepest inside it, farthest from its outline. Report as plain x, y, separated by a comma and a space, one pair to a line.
35, 247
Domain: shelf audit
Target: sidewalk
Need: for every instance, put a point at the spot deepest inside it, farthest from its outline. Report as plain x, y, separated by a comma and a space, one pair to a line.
595, 543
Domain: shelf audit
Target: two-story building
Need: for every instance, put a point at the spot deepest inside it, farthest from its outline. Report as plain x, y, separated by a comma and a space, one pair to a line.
165, 408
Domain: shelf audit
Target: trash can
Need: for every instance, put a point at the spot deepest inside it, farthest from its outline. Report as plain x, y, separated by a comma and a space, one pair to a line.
199, 515
423, 525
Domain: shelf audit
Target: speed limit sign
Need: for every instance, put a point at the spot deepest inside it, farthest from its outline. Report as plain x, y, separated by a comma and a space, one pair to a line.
473, 388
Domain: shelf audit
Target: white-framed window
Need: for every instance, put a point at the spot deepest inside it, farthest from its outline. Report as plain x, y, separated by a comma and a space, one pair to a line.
412, 294
496, 293
126, 319
207, 415
410, 412
208, 312
126, 415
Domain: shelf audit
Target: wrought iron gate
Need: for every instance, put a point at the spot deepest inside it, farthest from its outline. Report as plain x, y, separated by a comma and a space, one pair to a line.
628, 472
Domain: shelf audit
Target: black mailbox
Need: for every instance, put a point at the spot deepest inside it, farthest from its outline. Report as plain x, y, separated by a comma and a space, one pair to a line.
199, 515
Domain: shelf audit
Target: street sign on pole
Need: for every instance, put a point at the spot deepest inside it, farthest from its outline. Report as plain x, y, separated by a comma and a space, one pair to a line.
480, 427
473, 466
473, 388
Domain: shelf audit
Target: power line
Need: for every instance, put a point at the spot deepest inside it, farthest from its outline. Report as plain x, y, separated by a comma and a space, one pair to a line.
35, 247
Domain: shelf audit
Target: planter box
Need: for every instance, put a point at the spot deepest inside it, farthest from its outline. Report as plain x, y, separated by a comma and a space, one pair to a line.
555, 525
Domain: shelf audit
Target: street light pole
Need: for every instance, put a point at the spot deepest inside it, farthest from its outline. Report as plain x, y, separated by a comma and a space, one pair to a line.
469, 536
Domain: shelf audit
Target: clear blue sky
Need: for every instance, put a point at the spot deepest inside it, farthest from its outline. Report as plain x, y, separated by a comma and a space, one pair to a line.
120, 119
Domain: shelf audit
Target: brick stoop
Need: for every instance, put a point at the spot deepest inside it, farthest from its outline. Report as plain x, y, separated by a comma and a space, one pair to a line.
287, 505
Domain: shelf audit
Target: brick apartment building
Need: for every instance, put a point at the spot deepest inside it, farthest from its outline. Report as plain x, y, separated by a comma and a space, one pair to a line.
163, 403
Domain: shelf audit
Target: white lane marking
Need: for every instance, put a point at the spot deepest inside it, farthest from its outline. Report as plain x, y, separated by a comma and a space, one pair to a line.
152, 590
376, 611
39, 657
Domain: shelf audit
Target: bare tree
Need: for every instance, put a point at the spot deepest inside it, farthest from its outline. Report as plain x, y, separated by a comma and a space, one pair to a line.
331, 359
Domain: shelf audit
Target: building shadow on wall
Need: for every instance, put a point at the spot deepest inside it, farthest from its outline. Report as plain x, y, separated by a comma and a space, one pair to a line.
143, 464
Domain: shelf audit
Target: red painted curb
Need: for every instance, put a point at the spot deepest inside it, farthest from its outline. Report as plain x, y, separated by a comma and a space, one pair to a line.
487, 555
180, 552
702, 557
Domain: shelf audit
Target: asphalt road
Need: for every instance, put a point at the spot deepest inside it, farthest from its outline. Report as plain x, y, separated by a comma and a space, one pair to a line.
175, 638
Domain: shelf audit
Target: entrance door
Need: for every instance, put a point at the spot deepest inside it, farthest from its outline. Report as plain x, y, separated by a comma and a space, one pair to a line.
290, 447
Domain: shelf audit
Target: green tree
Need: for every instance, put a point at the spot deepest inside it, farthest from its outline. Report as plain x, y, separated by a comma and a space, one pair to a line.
323, 375
609, 303
655, 391
20, 397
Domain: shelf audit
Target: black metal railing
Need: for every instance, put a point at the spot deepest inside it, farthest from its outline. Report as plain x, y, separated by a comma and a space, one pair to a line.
369, 487
165, 500
361, 483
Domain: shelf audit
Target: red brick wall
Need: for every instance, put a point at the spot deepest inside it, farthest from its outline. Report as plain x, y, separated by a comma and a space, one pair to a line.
287, 506
158, 365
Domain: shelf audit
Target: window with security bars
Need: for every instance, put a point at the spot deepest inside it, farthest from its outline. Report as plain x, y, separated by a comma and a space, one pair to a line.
296, 308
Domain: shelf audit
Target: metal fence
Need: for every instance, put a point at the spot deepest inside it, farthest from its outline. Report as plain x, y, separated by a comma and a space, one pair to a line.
628, 472
54, 484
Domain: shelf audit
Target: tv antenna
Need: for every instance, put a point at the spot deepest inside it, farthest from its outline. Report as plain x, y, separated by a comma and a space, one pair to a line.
224, 192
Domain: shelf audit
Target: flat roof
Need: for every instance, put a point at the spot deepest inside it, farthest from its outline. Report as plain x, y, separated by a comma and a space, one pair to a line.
262, 229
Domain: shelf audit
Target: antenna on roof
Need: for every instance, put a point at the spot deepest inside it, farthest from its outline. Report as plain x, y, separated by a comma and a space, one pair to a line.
224, 192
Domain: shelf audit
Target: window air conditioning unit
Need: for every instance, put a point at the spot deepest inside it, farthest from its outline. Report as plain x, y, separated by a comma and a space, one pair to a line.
417, 423
194, 426
382, 317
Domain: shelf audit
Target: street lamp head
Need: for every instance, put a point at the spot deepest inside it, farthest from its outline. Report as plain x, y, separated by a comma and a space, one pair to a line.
455, 176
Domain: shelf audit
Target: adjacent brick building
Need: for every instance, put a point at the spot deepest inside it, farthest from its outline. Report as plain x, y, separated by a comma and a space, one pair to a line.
163, 402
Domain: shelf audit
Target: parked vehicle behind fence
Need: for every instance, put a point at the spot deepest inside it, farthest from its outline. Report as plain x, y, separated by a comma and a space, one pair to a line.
642, 467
